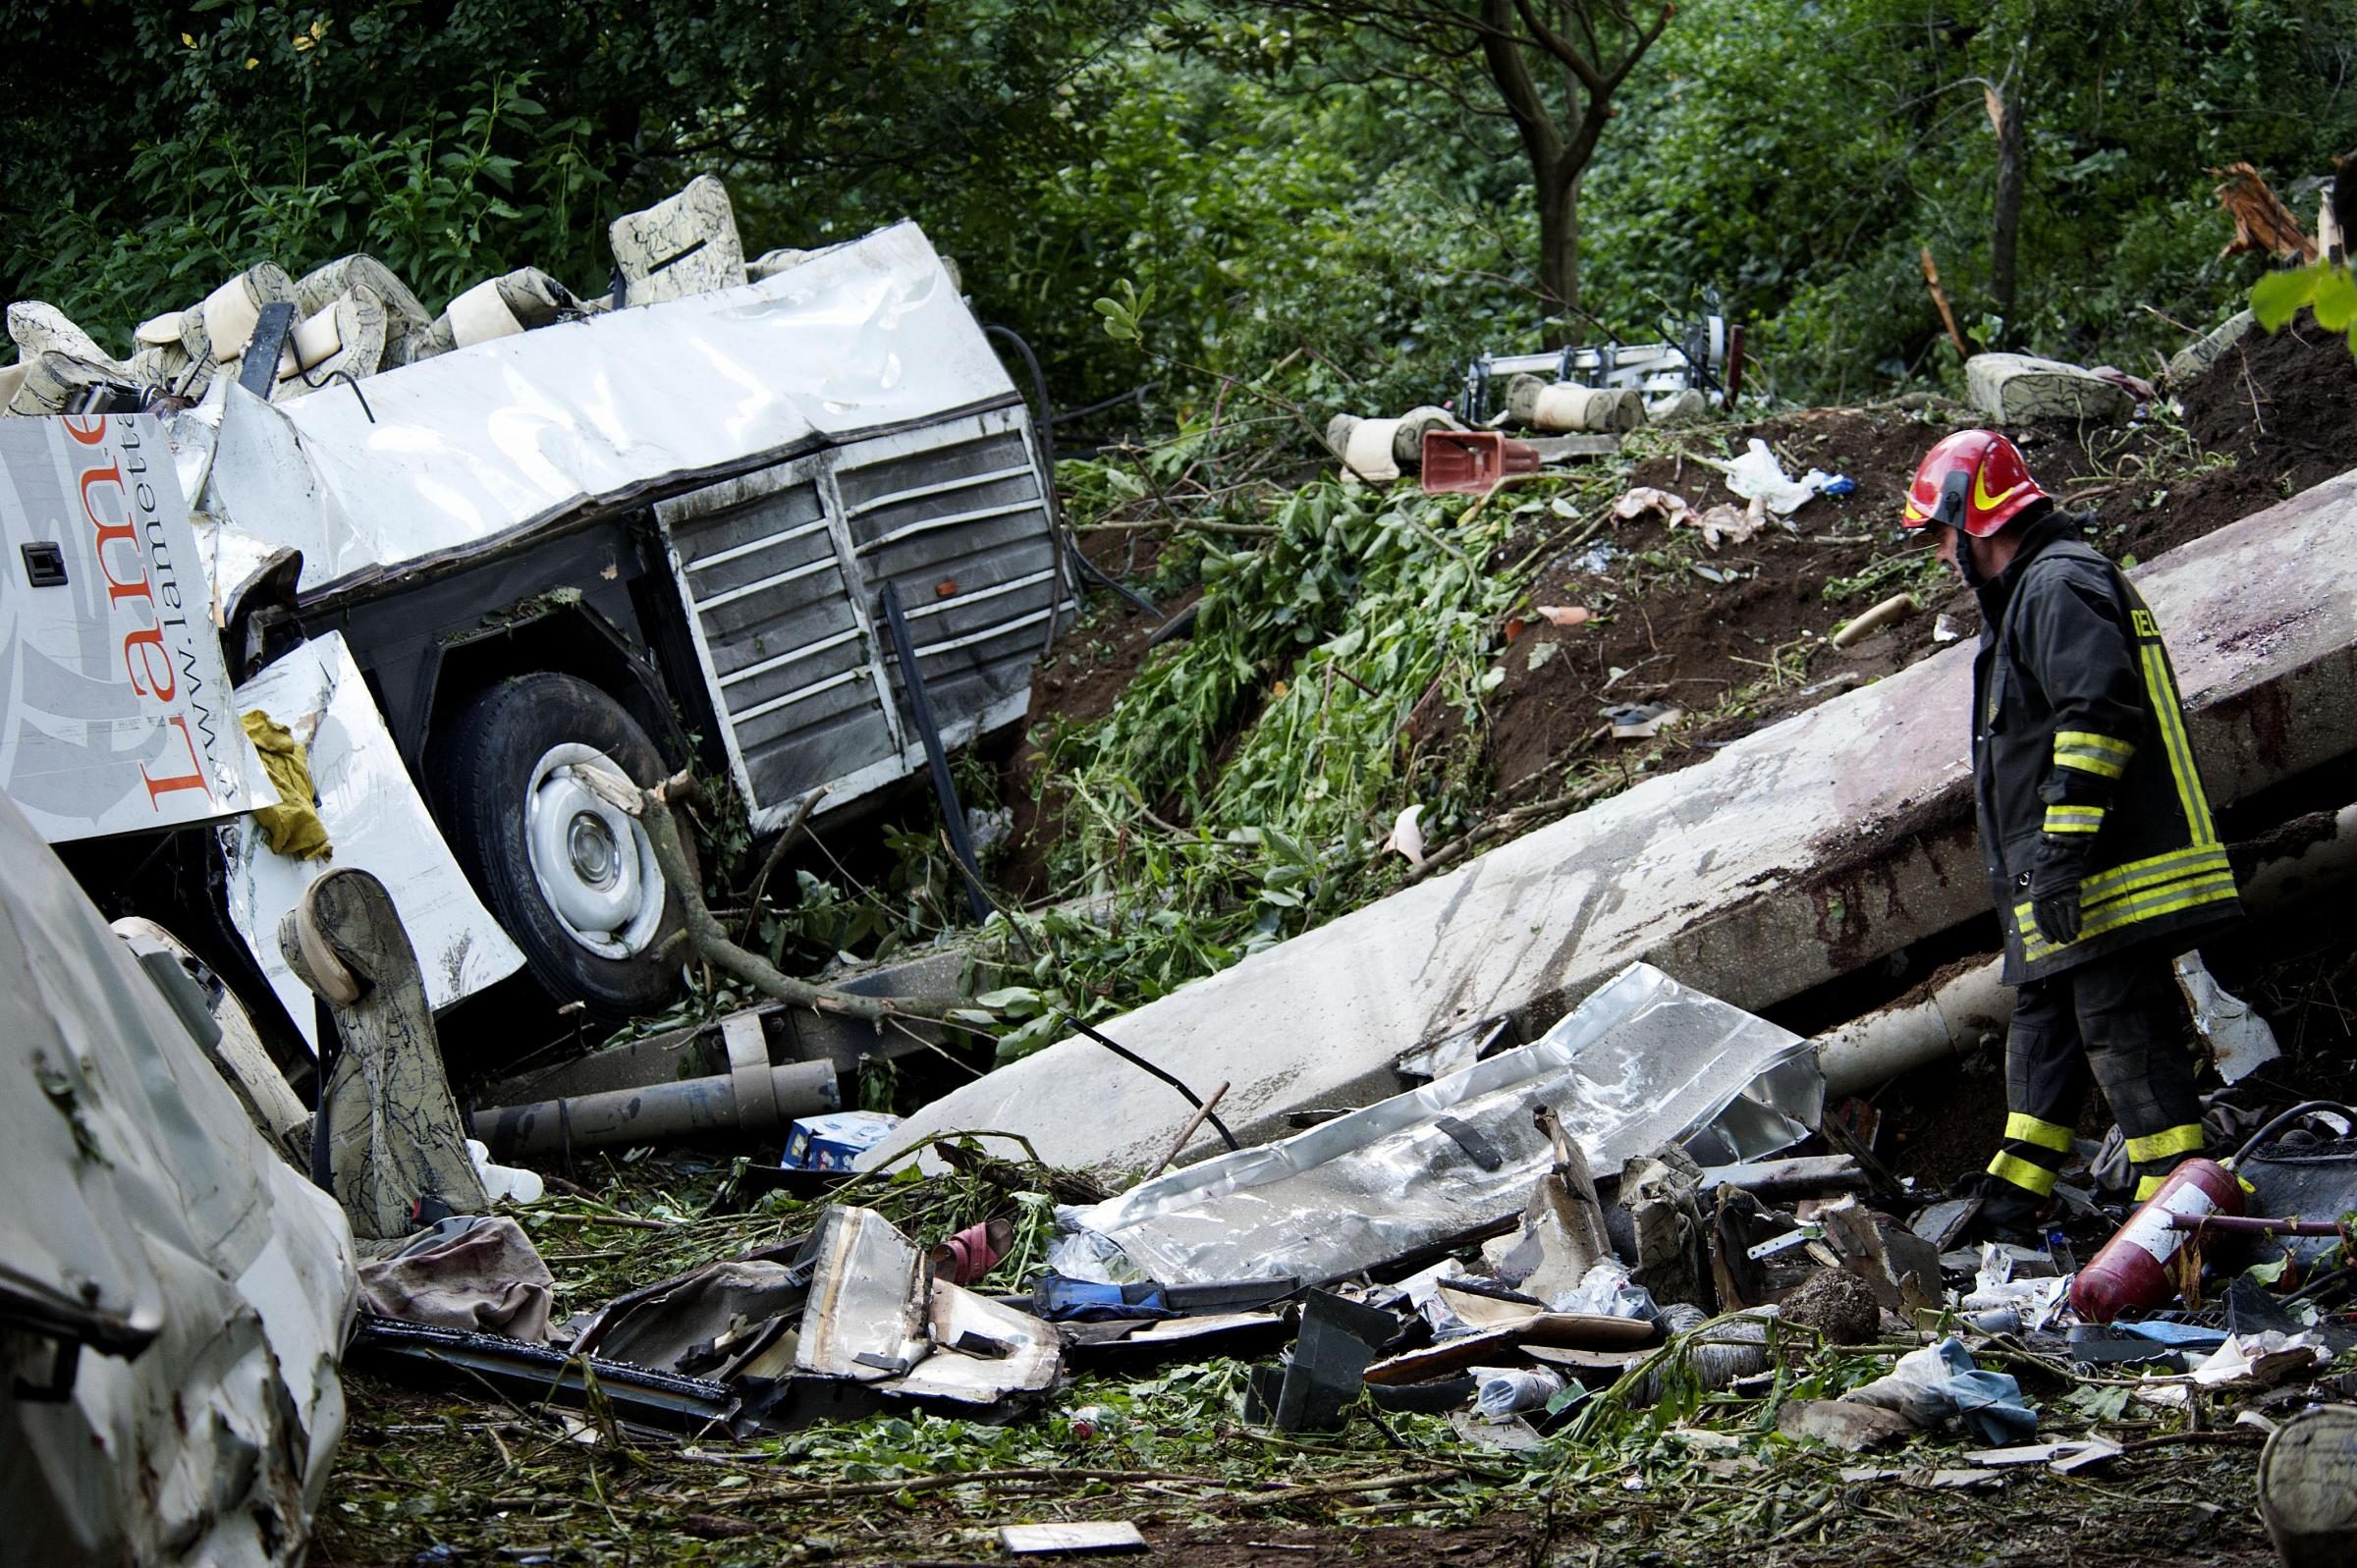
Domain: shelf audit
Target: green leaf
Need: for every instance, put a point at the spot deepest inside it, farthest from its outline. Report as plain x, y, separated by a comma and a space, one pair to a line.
2276, 298
2336, 299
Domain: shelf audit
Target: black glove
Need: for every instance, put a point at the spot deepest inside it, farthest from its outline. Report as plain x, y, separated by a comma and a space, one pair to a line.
2054, 876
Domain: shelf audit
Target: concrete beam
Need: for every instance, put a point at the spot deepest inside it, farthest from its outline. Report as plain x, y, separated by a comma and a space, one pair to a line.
1797, 854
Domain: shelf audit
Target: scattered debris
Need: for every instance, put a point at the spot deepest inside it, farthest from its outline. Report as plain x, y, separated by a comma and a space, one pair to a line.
1474, 462
2016, 389
1890, 612
2261, 222
2239, 1040
1069, 1539
1406, 838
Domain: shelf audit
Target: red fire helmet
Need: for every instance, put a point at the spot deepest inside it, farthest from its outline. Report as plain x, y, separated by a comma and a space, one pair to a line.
1974, 480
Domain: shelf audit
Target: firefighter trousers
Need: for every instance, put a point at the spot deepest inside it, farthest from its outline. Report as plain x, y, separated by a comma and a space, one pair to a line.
2120, 1020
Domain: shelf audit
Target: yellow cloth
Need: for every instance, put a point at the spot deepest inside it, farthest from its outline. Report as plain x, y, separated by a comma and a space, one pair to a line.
293, 826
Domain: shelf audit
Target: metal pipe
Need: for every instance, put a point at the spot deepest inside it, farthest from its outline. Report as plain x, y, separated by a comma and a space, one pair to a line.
662, 1112
1803, 1176
1951, 1020
1868, 1052
2253, 1225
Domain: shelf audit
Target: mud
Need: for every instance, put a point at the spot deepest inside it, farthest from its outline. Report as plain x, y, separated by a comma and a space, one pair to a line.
1079, 682
2283, 409
1740, 654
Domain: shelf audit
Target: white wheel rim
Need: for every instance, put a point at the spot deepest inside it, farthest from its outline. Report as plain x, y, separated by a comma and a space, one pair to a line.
595, 869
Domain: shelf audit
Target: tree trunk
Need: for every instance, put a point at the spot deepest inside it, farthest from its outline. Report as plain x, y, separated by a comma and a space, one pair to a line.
2004, 231
1558, 255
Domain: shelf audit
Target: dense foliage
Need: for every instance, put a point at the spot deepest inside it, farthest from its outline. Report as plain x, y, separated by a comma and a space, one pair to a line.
1286, 184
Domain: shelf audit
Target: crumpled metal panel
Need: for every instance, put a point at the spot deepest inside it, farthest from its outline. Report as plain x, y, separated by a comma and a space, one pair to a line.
1642, 1063
375, 820
113, 677
145, 1210
471, 445
865, 1318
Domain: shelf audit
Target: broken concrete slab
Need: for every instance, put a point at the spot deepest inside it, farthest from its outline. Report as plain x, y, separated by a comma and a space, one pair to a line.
1798, 853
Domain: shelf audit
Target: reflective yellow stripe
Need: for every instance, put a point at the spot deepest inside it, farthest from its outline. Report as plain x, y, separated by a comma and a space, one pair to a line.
2023, 1174
2163, 694
2025, 1129
2089, 752
2170, 900
2075, 819
2184, 1140
2089, 740
2087, 764
2148, 1186
2138, 875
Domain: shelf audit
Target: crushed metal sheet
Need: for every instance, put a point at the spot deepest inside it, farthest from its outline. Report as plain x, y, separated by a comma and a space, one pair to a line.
981, 1352
375, 820
187, 1284
866, 1314
467, 447
1642, 1063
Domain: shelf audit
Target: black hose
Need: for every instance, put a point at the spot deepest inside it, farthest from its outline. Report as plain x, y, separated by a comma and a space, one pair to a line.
1136, 1060
2315, 1287
1045, 427
2279, 1123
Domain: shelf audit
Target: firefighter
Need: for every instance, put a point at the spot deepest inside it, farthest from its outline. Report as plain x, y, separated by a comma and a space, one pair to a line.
2103, 858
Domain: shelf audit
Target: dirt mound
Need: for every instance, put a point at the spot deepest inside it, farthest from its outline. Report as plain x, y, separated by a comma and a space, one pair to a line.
2284, 406
1079, 682
1733, 638
2270, 419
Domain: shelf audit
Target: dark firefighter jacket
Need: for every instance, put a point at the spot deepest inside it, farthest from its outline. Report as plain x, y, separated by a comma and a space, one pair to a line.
2078, 730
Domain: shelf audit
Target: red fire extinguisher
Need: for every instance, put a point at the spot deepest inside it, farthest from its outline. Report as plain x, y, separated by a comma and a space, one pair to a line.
2132, 1269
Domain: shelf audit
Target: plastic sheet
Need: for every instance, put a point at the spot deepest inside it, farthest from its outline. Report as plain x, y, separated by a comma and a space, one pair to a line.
1756, 475
1930, 1385
1643, 1062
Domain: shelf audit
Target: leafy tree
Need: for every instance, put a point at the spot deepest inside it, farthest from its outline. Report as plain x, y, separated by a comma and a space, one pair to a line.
456, 137
1550, 71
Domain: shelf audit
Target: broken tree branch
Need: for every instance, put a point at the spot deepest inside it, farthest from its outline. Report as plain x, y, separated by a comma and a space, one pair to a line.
706, 935
1931, 279
786, 839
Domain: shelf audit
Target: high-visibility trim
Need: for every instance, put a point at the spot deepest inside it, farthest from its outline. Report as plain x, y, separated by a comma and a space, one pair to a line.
2089, 740
2021, 1127
2162, 693
2087, 762
2030, 1178
2168, 901
2159, 885
2075, 819
2146, 1187
2180, 1140
2104, 756
2137, 876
